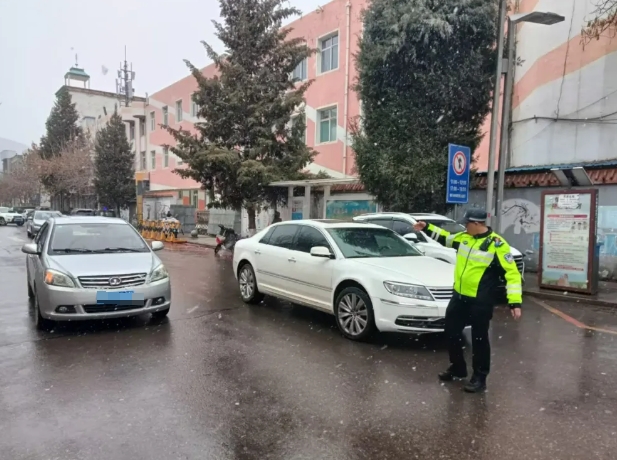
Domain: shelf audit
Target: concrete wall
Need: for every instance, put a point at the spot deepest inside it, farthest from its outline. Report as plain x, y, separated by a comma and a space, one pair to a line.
521, 223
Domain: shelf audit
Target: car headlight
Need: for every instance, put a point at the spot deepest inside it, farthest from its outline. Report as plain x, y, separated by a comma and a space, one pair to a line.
412, 291
159, 273
56, 278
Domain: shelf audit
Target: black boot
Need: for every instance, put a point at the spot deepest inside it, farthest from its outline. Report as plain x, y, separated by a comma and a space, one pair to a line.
452, 374
475, 385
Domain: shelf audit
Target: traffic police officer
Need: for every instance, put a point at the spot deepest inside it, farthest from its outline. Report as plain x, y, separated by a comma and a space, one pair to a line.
483, 258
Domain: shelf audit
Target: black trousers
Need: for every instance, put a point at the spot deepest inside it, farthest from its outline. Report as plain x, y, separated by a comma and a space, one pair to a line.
461, 312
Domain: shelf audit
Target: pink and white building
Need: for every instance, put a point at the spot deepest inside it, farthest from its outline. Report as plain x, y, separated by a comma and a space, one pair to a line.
331, 104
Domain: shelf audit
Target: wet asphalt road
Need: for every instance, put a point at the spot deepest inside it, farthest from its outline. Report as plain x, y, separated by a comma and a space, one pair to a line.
220, 380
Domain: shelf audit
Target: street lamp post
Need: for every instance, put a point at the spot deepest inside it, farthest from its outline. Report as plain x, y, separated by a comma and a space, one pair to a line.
535, 17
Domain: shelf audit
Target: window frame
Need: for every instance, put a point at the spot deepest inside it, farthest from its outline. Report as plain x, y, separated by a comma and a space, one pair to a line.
293, 238
296, 117
303, 65
194, 109
179, 114
319, 112
143, 161
152, 120
321, 41
152, 160
165, 111
311, 228
165, 157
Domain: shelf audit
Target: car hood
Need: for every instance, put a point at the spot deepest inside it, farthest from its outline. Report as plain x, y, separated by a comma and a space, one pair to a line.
38, 223
415, 269
104, 264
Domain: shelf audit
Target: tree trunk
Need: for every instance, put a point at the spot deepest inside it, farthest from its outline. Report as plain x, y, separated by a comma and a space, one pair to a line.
251, 213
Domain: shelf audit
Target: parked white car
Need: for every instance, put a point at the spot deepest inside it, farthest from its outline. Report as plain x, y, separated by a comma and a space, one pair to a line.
368, 276
403, 223
9, 217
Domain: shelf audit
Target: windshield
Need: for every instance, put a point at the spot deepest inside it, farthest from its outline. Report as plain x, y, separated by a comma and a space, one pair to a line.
44, 215
95, 238
371, 242
449, 226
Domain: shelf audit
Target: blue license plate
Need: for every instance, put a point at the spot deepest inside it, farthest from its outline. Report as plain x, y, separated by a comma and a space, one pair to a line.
119, 298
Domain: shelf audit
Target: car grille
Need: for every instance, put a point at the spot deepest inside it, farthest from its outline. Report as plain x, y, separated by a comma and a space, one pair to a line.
421, 322
519, 263
103, 282
107, 308
441, 293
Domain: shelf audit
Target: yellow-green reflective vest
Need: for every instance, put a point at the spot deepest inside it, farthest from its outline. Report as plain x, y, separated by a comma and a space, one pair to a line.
481, 261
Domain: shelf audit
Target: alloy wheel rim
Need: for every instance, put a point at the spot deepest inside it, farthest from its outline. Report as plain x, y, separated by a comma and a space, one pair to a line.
247, 283
353, 314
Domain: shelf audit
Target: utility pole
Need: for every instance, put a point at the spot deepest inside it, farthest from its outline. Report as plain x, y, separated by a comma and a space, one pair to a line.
490, 178
124, 82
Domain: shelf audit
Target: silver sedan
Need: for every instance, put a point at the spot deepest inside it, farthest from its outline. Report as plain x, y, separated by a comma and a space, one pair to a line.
36, 221
82, 268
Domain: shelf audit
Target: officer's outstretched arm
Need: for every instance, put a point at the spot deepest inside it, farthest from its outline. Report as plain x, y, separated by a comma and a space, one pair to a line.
514, 282
447, 239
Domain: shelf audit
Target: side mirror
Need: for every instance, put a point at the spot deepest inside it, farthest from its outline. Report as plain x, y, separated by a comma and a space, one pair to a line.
321, 251
30, 248
157, 245
411, 237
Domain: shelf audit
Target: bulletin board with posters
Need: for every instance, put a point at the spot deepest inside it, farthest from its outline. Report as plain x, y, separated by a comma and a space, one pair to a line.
567, 241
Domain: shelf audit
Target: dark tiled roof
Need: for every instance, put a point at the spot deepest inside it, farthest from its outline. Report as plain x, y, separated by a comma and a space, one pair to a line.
548, 179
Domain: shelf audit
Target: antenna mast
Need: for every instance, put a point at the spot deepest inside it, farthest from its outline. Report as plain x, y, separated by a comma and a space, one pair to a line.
124, 82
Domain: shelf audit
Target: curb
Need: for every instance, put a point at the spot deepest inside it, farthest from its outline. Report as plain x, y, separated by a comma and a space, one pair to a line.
561, 297
199, 245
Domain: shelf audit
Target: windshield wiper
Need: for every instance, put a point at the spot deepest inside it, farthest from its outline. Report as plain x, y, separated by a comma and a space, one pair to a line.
69, 250
119, 250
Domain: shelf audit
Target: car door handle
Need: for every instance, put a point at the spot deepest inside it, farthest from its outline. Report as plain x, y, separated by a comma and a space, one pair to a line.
257, 251
291, 259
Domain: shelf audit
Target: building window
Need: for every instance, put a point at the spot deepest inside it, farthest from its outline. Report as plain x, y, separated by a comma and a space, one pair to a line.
327, 125
295, 120
132, 131
300, 72
165, 157
195, 198
153, 160
179, 111
165, 116
329, 53
194, 109
142, 161
152, 121
142, 127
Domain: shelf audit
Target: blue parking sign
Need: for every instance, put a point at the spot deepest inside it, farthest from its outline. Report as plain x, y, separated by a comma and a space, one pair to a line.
459, 165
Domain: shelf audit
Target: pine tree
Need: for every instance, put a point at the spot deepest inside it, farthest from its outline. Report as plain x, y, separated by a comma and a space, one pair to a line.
246, 139
426, 72
61, 125
114, 163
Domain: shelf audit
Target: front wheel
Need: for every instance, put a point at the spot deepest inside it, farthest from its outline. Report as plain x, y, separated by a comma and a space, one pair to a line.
2, 221
20, 224
248, 285
42, 324
353, 310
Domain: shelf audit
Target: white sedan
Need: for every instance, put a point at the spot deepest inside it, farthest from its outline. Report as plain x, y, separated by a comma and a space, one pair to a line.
369, 277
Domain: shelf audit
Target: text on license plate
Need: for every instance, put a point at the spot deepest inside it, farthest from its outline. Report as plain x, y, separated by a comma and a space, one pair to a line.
119, 298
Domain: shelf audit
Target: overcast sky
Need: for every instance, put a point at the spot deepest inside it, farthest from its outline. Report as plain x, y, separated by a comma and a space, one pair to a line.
39, 40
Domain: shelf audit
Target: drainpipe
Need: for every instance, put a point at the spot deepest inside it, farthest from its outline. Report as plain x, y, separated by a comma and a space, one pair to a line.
347, 40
